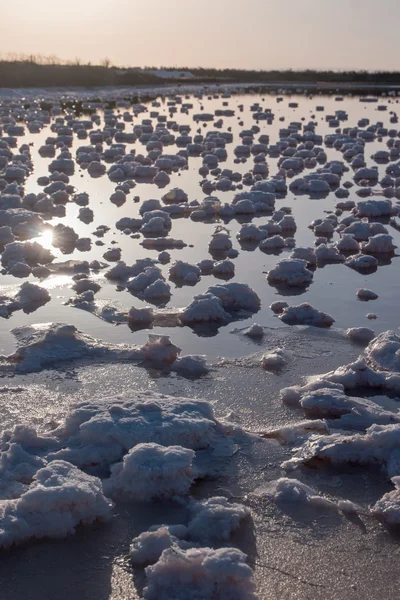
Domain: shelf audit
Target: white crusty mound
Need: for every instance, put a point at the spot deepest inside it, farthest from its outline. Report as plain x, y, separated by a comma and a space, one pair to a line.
292, 272
275, 360
147, 547
220, 303
384, 351
378, 446
366, 294
215, 519
211, 521
201, 573
363, 335
348, 412
293, 491
387, 508
59, 498
305, 314
152, 471
30, 296
102, 432
46, 345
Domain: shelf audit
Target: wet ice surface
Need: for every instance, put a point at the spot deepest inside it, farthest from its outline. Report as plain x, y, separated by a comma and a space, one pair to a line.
298, 549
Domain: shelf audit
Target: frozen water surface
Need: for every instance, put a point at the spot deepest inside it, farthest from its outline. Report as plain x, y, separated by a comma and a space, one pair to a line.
278, 179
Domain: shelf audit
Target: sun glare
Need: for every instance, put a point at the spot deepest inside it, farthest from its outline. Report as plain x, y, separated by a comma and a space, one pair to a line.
45, 239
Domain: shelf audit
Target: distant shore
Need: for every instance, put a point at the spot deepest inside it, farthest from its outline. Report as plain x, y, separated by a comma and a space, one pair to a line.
32, 74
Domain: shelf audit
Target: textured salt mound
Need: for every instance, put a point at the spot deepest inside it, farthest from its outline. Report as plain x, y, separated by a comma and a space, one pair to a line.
291, 272
296, 432
387, 509
220, 303
201, 573
276, 360
59, 498
152, 471
293, 491
103, 432
215, 519
362, 262
384, 351
378, 446
45, 345
192, 365
366, 294
379, 244
147, 547
254, 331
360, 334
305, 314
346, 411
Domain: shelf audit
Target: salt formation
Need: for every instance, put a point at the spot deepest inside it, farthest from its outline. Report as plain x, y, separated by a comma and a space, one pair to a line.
293, 491
290, 272
60, 498
305, 314
152, 471
148, 443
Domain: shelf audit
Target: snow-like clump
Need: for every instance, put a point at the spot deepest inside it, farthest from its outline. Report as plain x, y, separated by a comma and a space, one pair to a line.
379, 244
387, 508
220, 303
293, 491
211, 521
275, 360
59, 498
384, 351
45, 345
378, 446
305, 314
254, 331
147, 547
215, 519
200, 573
152, 471
290, 272
360, 334
366, 294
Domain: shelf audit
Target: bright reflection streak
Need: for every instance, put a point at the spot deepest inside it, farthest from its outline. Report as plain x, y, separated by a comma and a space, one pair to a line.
45, 239
56, 282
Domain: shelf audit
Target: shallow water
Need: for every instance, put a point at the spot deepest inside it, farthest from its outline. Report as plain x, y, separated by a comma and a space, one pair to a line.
334, 286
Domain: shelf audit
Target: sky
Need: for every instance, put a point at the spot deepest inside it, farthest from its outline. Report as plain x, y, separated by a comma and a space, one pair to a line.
247, 34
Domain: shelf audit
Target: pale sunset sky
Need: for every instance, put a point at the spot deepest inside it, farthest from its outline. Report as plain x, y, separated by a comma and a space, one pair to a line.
248, 34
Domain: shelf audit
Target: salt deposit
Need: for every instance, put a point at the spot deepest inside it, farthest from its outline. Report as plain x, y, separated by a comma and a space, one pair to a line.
305, 314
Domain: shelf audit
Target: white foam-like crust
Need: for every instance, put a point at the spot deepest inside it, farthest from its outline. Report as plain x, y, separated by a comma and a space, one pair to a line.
200, 573
291, 272
151, 471
45, 345
293, 491
59, 498
305, 314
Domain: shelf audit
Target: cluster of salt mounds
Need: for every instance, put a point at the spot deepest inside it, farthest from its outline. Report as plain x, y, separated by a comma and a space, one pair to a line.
47, 345
183, 562
147, 444
346, 429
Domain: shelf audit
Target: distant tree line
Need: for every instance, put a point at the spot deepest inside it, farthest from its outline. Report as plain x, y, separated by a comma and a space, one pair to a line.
46, 71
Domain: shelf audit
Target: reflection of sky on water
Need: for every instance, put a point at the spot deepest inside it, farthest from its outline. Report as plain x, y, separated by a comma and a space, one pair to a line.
333, 289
